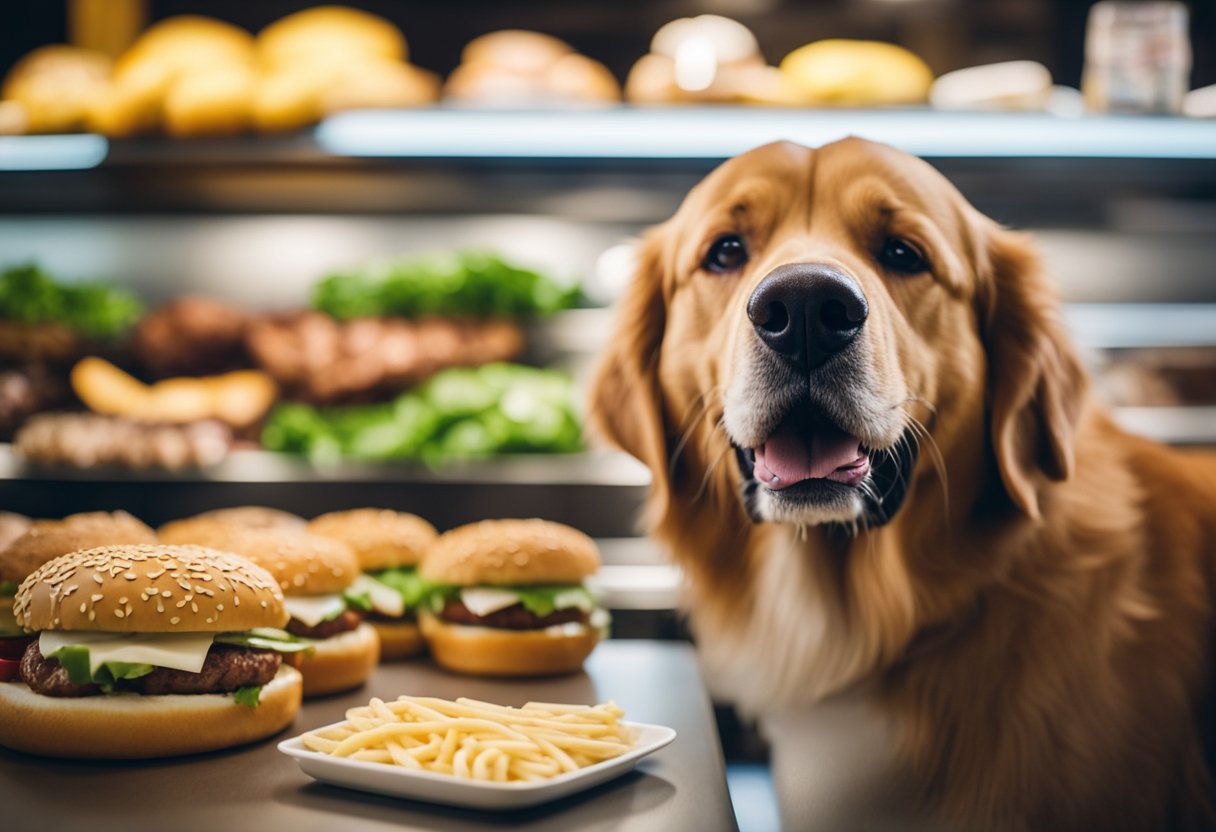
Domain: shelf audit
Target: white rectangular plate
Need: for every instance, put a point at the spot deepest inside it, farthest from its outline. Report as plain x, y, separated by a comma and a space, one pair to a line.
395, 781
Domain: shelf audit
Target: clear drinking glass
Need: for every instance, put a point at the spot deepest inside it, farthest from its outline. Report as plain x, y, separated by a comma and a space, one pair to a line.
1137, 57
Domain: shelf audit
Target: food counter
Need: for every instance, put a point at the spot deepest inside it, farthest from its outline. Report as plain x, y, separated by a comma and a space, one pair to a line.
682, 786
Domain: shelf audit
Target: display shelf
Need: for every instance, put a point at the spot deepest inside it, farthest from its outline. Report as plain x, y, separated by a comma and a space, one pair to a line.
691, 133
594, 469
621, 163
1142, 325
715, 133
1172, 425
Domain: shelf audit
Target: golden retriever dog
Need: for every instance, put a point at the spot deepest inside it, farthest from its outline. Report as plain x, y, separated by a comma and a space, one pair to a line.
955, 593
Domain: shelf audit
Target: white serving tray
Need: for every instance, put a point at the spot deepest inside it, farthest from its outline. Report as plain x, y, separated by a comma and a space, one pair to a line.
431, 787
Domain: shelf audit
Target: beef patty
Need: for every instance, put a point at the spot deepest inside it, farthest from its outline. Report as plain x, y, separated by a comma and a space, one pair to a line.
343, 623
226, 668
514, 617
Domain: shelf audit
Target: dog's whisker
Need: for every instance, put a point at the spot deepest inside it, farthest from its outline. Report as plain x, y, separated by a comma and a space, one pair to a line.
935, 455
709, 472
706, 403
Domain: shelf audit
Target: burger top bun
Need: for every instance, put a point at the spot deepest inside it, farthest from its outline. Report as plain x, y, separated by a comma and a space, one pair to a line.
149, 589
302, 563
184, 43
12, 526
516, 67
247, 517
381, 538
511, 553
186, 31
727, 40
333, 34
515, 50
55, 85
47, 539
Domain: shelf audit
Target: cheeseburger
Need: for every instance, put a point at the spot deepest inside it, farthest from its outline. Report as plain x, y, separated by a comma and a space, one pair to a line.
389, 546
40, 541
507, 598
149, 651
314, 573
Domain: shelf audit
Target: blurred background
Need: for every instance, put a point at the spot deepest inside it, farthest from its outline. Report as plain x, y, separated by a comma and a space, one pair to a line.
327, 257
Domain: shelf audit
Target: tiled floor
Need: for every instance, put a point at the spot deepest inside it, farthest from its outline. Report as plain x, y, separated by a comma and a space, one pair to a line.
751, 792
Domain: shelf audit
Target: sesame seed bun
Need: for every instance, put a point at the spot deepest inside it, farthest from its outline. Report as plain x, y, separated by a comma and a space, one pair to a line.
47, 539
380, 537
488, 651
340, 662
249, 517
132, 726
511, 553
302, 563
149, 589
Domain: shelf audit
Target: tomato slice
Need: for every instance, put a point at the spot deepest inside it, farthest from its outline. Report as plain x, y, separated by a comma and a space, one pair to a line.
12, 648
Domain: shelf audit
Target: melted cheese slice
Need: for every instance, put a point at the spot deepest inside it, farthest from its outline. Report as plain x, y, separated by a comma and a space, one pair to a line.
482, 600
314, 609
385, 600
179, 651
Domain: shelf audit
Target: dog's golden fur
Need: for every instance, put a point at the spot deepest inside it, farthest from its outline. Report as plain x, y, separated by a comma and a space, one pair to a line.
1036, 621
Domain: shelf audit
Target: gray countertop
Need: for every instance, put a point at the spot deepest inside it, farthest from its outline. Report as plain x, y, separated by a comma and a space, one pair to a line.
682, 787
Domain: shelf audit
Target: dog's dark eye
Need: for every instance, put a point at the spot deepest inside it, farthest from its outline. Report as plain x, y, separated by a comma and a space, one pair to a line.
727, 254
901, 256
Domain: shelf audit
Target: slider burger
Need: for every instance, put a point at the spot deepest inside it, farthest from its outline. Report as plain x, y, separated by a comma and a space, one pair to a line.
149, 651
314, 572
39, 541
507, 598
389, 546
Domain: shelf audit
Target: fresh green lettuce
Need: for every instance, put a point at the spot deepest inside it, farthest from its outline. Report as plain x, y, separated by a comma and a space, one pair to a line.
406, 581
538, 600
470, 284
545, 600
29, 295
75, 660
460, 413
360, 601
267, 638
250, 696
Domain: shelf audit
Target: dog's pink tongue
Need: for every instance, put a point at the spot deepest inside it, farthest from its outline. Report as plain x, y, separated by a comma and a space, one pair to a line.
787, 458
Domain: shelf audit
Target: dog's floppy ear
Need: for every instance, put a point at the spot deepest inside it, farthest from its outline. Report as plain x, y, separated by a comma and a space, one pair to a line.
625, 406
1037, 384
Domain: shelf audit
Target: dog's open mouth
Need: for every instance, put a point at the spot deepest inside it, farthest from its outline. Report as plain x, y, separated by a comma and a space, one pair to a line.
809, 447
811, 461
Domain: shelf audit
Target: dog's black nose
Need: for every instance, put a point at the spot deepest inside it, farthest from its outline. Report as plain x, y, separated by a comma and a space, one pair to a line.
807, 312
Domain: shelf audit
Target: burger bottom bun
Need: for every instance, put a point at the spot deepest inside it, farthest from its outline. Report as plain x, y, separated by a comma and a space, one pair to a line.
340, 662
488, 651
133, 726
399, 639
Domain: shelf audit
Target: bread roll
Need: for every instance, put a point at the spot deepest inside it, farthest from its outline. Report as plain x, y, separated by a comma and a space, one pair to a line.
519, 68
55, 87
328, 34
146, 75
860, 73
